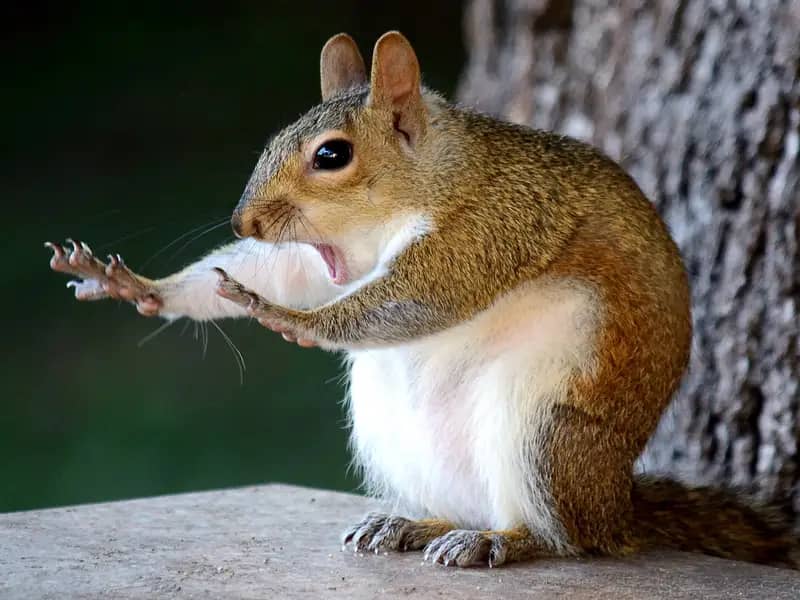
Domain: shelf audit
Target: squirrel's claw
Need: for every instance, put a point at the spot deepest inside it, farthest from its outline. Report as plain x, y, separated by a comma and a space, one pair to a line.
80, 262
232, 290
123, 283
59, 261
58, 251
362, 533
83, 262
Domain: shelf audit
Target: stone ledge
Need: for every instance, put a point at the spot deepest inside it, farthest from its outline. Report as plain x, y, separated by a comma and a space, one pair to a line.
278, 541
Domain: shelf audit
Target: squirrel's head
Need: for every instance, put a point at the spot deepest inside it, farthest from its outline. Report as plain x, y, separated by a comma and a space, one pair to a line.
342, 177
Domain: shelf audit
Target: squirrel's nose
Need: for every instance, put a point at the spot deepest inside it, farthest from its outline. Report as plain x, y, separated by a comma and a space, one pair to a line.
237, 225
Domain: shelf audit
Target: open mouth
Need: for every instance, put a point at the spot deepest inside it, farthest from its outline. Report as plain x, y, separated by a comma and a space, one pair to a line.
334, 262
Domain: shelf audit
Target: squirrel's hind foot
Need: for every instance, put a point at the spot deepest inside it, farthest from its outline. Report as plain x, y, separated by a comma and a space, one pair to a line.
381, 532
465, 548
441, 541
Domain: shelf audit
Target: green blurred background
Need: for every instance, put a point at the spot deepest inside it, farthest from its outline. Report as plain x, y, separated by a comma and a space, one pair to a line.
127, 126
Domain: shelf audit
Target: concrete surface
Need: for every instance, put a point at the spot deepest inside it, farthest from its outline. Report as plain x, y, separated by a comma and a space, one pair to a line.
282, 542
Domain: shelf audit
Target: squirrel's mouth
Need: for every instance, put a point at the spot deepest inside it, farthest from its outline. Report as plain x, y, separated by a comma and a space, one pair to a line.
334, 261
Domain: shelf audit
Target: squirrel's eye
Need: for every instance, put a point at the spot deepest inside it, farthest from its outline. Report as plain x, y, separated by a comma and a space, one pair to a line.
333, 154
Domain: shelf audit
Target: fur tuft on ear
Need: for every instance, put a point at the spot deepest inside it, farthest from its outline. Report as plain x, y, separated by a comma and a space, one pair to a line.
341, 66
395, 83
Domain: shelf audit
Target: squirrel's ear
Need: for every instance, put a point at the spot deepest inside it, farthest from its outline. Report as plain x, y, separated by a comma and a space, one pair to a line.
340, 66
395, 83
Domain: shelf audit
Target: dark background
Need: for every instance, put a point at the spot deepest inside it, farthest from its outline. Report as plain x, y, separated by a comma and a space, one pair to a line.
127, 126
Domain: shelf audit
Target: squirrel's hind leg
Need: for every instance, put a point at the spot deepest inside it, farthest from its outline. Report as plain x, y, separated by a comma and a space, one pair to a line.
379, 531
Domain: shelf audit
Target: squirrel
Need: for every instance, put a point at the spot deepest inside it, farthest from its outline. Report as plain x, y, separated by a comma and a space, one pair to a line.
515, 315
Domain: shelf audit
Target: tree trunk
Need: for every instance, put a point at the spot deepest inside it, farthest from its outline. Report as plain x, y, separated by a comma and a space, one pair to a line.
700, 101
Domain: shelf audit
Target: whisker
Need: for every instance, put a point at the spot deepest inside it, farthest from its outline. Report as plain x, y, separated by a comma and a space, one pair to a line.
280, 214
276, 217
153, 334
197, 237
100, 216
185, 327
293, 257
289, 215
124, 238
244, 250
339, 379
254, 248
272, 258
316, 233
303, 264
306, 277
178, 239
236, 352
313, 232
285, 226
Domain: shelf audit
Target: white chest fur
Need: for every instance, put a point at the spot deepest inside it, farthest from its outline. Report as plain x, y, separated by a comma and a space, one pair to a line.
447, 426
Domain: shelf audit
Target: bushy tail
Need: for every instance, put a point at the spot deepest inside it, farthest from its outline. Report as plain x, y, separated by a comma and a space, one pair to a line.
712, 521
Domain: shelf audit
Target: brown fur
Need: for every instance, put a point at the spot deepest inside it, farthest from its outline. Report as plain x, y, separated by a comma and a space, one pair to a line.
713, 521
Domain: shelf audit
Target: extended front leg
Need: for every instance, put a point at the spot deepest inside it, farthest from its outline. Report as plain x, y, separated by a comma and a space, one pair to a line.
292, 274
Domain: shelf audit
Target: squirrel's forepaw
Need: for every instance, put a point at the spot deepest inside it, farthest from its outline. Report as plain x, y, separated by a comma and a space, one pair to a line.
463, 548
230, 289
80, 262
265, 312
100, 280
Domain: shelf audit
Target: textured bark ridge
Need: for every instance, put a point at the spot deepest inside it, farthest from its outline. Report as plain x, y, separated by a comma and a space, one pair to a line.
700, 101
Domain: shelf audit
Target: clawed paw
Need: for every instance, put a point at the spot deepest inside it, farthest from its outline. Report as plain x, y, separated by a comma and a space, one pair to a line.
257, 307
232, 290
456, 547
103, 280
378, 531
463, 548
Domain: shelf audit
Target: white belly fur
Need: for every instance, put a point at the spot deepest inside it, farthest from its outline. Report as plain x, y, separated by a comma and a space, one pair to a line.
446, 426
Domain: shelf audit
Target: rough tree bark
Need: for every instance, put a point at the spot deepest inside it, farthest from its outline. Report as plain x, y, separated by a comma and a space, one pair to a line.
700, 101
